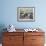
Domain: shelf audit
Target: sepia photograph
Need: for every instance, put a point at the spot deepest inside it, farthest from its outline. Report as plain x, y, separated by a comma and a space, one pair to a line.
26, 14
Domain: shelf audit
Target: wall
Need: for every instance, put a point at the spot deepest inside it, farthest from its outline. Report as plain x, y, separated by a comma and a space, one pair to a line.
9, 13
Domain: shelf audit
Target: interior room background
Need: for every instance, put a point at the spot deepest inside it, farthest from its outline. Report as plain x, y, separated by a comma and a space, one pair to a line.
8, 14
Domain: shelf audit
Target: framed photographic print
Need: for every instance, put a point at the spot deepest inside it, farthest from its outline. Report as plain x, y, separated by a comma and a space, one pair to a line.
25, 14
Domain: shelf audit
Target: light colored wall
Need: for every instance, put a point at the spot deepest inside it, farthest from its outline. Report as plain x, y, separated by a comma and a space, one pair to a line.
9, 13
